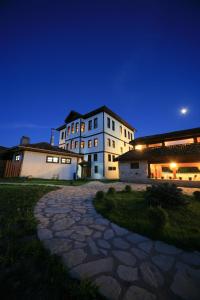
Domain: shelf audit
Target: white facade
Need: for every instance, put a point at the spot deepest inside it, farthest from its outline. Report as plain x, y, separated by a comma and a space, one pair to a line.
35, 165
104, 138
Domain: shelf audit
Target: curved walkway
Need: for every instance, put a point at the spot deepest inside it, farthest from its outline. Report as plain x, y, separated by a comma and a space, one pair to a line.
122, 264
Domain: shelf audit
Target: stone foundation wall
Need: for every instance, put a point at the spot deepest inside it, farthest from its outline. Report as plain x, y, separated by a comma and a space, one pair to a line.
128, 174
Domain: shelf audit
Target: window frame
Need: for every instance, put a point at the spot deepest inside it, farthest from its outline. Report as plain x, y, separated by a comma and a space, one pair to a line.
89, 143
96, 142
137, 164
111, 168
108, 122
52, 162
65, 158
96, 169
113, 125
77, 127
89, 125
95, 123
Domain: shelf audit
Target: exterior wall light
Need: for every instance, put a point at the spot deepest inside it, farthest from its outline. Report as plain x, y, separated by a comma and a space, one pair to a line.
173, 165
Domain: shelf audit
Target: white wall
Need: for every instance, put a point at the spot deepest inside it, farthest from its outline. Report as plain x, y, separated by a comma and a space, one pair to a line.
128, 174
102, 149
34, 164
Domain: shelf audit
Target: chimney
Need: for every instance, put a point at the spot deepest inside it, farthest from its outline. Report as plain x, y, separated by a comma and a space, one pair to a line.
52, 139
25, 140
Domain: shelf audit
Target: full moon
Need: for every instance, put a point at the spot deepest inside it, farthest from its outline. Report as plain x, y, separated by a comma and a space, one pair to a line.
184, 111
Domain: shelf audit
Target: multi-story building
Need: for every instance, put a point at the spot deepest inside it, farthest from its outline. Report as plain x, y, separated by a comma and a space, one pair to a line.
168, 156
101, 135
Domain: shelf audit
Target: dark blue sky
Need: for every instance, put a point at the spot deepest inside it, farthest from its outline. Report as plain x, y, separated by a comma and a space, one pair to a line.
140, 57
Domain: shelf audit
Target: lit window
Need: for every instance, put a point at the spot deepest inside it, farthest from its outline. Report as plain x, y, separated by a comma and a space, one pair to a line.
109, 142
52, 159
76, 144
108, 122
77, 125
72, 128
95, 157
95, 169
113, 144
68, 130
109, 157
65, 160
95, 142
17, 157
95, 123
90, 125
89, 143
82, 127
82, 144
113, 125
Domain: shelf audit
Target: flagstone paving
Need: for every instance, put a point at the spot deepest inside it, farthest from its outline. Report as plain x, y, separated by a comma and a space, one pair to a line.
124, 265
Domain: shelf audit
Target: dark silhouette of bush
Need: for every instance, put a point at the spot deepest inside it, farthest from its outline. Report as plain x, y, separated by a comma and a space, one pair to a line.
164, 195
99, 195
158, 218
128, 189
196, 195
111, 191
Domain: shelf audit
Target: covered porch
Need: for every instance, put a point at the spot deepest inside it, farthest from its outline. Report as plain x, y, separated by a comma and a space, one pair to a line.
175, 171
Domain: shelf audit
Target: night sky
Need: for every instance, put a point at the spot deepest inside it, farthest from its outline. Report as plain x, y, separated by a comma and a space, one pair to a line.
141, 58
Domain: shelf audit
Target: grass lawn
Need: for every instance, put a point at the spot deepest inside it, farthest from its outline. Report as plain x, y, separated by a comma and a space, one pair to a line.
27, 270
51, 181
131, 211
43, 181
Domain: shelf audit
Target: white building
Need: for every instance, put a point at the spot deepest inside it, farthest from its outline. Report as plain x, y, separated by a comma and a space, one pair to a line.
40, 160
101, 135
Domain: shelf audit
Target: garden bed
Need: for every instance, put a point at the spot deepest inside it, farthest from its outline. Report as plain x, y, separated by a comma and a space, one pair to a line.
131, 210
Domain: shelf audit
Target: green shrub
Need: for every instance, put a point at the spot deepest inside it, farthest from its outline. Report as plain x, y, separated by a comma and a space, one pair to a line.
165, 195
99, 195
110, 204
127, 189
111, 191
196, 195
158, 217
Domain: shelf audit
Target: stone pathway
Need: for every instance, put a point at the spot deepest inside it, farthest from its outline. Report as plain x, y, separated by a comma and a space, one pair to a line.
124, 265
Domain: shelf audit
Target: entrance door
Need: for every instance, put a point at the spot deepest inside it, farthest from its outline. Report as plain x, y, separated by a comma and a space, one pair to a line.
88, 169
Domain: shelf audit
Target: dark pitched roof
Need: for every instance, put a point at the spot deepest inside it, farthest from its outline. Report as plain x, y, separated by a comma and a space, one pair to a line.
2, 148
45, 147
61, 127
187, 152
168, 136
73, 115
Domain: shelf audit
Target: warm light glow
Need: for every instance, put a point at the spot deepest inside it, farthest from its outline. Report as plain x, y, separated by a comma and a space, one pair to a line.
138, 147
184, 111
173, 165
